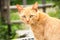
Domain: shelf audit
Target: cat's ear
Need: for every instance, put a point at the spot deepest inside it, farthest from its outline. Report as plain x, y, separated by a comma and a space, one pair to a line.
35, 6
19, 7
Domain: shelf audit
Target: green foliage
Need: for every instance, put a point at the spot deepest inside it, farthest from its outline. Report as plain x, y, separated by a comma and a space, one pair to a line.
16, 27
57, 3
56, 15
3, 32
14, 2
14, 15
33, 1
4, 28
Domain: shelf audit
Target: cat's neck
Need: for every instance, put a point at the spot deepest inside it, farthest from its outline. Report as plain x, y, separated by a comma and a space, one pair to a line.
42, 19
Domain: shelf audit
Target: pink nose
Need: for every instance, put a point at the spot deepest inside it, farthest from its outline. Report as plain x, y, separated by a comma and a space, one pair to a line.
27, 20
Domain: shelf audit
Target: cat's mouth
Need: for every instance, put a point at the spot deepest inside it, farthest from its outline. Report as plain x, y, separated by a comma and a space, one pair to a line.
29, 22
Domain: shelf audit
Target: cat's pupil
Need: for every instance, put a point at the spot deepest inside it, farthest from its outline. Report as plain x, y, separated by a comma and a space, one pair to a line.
31, 16
24, 16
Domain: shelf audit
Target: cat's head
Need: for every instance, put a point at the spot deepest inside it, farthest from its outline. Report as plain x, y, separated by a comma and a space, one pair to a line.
28, 15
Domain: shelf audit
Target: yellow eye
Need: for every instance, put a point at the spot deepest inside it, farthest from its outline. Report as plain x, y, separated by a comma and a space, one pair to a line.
31, 16
24, 16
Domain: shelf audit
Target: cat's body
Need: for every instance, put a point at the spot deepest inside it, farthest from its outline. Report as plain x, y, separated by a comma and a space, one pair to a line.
49, 29
52, 29
43, 26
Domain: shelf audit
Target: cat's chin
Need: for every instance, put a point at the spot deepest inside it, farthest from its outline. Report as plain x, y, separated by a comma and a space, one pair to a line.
29, 23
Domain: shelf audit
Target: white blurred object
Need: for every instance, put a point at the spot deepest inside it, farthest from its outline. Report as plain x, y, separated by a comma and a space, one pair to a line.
27, 32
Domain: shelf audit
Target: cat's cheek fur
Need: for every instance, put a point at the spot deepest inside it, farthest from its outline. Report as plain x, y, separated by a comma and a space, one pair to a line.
36, 18
22, 19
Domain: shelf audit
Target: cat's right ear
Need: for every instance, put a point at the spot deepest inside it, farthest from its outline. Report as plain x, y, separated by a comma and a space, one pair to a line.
19, 7
35, 6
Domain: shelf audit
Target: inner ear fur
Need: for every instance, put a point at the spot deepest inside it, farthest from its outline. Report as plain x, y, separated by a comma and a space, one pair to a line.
35, 6
19, 7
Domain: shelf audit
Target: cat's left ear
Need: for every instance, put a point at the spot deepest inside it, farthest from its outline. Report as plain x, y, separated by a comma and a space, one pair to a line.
19, 7
35, 6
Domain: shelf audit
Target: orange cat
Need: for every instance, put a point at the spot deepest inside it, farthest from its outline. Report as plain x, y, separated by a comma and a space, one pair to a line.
43, 26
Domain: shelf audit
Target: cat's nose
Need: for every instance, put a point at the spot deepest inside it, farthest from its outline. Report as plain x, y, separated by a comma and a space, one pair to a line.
27, 20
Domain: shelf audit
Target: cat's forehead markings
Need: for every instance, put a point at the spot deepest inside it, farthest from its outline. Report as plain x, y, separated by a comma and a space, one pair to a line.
27, 11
